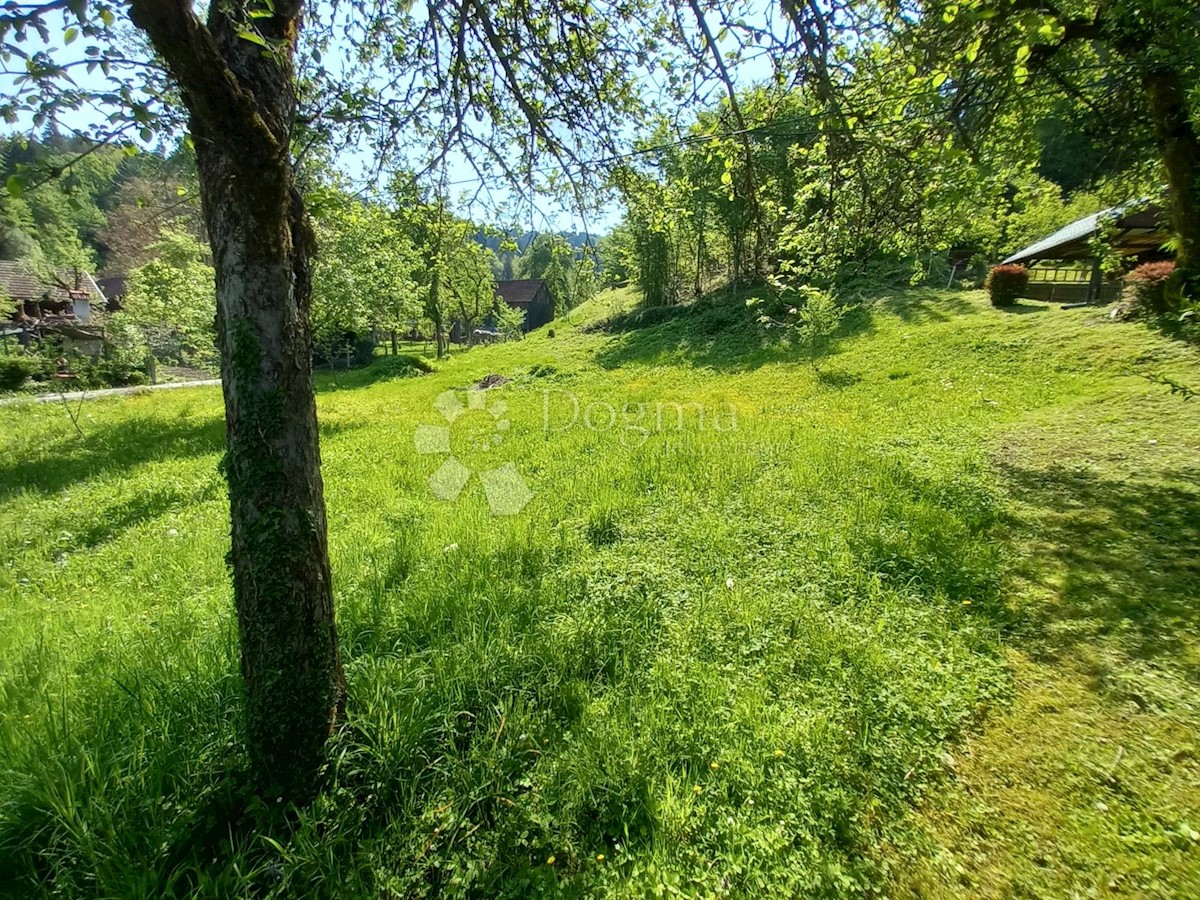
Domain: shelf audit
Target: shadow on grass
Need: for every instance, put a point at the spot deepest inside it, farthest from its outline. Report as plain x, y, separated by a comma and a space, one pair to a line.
1122, 556
113, 448
119, 448
1020, 308
919, 306
837, 379
719, 333
383, 368
121, 517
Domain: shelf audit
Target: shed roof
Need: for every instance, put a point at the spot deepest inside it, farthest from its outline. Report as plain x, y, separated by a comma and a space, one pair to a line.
1137, 223
20, 283
519, 291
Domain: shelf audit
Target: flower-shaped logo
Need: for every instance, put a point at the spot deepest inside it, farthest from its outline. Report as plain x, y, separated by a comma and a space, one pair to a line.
505, 489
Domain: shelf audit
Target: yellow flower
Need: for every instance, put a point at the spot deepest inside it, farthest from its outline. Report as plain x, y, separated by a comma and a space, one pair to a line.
778, 754
696, 789
599, 857
550, 861
713, 766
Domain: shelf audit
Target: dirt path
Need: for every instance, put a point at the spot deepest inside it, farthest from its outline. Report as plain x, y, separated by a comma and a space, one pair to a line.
105, 392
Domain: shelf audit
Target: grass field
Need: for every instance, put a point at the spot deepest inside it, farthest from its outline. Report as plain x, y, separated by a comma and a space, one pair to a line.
920, 621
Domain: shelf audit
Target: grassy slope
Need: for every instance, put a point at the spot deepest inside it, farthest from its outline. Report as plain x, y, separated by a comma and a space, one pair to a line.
715, 661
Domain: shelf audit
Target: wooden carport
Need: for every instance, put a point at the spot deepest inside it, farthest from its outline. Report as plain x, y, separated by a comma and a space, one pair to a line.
1133, 229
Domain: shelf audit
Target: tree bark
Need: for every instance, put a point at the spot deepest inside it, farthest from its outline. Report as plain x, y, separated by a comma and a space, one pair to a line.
1180, 150
242, 105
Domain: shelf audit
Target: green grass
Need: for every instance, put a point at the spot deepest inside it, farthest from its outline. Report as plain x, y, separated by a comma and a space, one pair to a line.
785, 658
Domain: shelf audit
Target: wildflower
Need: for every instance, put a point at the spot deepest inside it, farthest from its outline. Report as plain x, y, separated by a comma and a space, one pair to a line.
778, 754
599, 857
729, 583
172, 532
450, 548
696, 789
966, 603
713, 765
550, 860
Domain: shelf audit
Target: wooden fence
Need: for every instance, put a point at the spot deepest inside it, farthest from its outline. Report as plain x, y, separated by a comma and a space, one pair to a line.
1068, 286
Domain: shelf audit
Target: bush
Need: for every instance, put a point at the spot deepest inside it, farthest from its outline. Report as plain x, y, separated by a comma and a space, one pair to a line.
401, 366
106, 372
16, 370
1145, 290
1006, 284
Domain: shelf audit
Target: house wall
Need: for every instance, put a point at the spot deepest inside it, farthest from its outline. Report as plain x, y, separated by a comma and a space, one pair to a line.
540, 310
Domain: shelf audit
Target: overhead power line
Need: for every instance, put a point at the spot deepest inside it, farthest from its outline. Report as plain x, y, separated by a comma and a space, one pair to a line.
772, 127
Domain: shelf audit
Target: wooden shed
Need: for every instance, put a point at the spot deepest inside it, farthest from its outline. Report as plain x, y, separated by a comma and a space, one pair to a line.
1137, 229
532, 295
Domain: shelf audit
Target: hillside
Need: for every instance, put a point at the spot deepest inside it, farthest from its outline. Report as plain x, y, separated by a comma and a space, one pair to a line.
915, 618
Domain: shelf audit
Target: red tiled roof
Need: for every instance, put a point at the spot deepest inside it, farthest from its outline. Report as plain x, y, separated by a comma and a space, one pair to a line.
19, 283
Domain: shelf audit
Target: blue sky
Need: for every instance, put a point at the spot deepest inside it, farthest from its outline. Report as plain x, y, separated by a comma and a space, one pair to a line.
479, 200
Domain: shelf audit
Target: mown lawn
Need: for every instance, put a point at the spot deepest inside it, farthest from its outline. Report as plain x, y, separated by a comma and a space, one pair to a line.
920, 618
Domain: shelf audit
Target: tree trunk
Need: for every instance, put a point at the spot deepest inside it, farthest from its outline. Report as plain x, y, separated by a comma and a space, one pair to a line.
1180, 151
242, 105
395, 345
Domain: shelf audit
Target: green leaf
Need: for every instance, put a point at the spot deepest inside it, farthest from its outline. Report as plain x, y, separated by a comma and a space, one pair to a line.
107, 17
253, 37
70, 34
973, 50
15, 185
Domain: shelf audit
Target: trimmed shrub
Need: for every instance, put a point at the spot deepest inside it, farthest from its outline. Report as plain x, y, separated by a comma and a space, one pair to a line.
1006, 284
16, 370
1145, 290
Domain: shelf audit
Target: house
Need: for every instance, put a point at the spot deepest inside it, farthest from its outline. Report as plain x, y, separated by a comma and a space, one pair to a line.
532, 295
1137, 230
37, 306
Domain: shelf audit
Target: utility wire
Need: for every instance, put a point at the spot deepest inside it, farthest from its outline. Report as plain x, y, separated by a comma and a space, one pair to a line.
768, 127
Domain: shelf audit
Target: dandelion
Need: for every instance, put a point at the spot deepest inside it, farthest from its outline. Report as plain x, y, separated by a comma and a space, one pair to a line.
599, 857
966, 603
713, 765
550, 860
778, 754
696, 789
